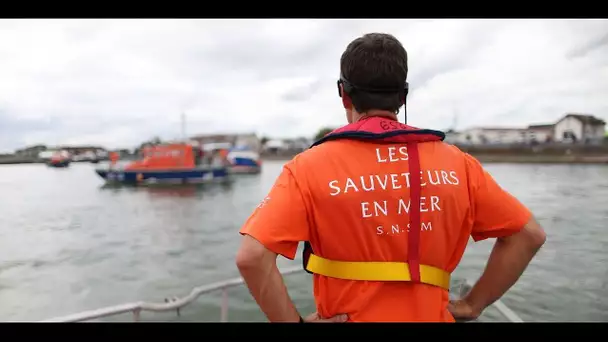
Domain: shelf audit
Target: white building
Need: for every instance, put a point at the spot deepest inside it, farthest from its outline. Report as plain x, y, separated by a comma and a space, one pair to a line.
488, 136
571, 128
540, 133
299, 144
249, 140
579, 128
275, 145
452, 136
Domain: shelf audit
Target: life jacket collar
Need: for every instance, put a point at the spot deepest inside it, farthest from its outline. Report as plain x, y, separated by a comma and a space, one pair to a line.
382, 129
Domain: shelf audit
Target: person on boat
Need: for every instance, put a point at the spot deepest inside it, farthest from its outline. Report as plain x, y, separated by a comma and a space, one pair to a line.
223, 155
114, 156
216, 159
374, 255
198, 156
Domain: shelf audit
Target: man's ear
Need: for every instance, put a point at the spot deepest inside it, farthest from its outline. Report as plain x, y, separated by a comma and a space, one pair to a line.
346, 100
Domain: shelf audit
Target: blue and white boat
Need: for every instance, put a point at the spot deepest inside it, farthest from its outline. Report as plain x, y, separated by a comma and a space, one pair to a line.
244, 160
239, 159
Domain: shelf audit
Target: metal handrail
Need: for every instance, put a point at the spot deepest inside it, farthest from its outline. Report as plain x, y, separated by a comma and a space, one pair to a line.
171, 304
507, 312
178, 303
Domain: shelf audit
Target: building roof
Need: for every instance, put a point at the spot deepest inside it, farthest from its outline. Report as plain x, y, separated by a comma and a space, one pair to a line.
31, 148
275, 143
585, 119
541, 126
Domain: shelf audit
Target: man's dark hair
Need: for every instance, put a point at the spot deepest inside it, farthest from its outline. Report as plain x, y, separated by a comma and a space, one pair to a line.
375, 60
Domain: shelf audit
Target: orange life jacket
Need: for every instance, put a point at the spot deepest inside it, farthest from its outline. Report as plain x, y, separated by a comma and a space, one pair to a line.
379, 129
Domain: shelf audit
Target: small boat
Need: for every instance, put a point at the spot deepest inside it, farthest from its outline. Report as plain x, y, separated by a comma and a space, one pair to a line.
168, 163
242, 160
59, 159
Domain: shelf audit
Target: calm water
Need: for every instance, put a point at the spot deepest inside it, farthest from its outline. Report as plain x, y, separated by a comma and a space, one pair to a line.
68, 245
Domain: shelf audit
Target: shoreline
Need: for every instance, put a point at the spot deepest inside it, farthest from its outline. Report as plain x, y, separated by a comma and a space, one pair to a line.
10, 160
541, 159
18, 161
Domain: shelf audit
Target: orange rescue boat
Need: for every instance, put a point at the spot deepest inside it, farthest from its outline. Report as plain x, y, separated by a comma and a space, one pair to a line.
167, 163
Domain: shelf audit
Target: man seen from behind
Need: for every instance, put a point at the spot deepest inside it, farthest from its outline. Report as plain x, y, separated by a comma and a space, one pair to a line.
375, 255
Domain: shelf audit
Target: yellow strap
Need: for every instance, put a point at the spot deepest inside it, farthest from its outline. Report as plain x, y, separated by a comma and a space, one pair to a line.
376, 271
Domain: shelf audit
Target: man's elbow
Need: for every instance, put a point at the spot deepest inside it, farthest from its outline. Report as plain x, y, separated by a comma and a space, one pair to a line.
536, 234
540, 239
245, 259
532, 235
251, 255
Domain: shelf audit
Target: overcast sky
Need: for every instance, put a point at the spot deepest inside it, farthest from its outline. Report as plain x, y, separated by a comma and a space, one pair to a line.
119, 82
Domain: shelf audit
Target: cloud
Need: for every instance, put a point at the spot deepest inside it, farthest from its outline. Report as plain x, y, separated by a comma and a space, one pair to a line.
119, 82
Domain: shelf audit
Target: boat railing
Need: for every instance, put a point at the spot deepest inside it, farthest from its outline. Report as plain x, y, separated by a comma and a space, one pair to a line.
177, 303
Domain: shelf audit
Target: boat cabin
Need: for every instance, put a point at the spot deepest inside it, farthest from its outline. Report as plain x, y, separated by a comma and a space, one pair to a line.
170, 156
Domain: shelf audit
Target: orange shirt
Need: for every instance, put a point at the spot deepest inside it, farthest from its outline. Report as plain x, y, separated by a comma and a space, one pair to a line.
350, 199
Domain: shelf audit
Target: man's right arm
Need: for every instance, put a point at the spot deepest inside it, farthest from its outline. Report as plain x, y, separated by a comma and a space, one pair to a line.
508, 260
499, 215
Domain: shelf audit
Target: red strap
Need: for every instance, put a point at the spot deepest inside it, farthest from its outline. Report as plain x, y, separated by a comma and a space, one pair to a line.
413, 247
